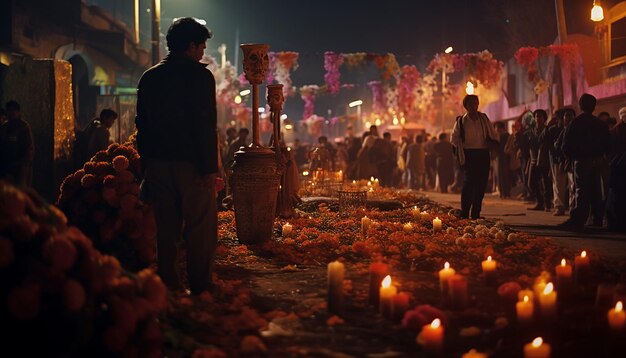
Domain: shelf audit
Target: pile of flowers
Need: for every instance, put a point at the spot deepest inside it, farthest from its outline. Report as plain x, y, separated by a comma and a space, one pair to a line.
62, 297
102, 199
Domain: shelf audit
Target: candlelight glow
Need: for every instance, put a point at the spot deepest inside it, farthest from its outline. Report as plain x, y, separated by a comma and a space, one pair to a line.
386, 282
537, 342
488, 258
549, 288
583, 254
619, 306
371, 178
435, 323
305, 173
469, 88
563, 262
446, 265
525, 298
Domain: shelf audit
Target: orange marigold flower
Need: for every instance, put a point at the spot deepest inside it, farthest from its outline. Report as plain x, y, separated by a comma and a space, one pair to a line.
60, 252
73, 296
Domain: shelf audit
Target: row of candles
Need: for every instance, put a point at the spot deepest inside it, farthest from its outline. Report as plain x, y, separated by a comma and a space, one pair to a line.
393, 304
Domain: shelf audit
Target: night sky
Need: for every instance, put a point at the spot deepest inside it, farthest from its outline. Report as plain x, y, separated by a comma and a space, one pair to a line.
414, 30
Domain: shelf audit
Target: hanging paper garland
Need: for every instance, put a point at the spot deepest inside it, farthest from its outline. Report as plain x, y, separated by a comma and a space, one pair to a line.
332, 62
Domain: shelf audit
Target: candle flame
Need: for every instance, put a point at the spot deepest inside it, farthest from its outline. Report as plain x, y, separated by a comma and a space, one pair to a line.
563, 262
583, 254
619, 306
488, 258
446, 265
435, 323
415, 207
436, 217
526, 298
537, 342
549, 288
386, 282
354, 182
371, 178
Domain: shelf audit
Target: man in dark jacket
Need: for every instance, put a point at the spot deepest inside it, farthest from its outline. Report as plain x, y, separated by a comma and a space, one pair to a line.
540, 182
177, 140
586, 141
17, 149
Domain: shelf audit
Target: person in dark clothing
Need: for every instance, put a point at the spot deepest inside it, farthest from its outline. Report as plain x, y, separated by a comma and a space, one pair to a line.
177, 140
94, 138
470, 135
383, 156
586, 141
503, 162
521, 141
241, 141
540, 182
559, 175
445, 162
17, 148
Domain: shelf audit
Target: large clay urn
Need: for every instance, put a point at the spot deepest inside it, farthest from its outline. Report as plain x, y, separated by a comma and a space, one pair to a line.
256, 171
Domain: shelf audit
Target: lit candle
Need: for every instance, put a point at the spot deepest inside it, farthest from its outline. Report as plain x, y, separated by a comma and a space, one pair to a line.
378, 271
457, 288
474, 354
563, 275
581, 267
376, 183
489, 269
436, 224
538, 288
287, 228
408, 227
399, 305
336, 272
365, 224
387, 291
547, 301
416, 213
444, 275
617, 317
340, 175
537, 349
431, 336
424, 215
522, 293
524, 310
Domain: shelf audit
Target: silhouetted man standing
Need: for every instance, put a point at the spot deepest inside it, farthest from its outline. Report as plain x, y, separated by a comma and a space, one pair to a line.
17, 148
177, 140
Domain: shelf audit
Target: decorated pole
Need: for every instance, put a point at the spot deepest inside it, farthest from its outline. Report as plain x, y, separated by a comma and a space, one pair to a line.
255, 65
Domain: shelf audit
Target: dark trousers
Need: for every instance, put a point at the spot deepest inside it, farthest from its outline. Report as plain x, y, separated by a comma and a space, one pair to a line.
476, 170
185, 208
541, 185
587, 190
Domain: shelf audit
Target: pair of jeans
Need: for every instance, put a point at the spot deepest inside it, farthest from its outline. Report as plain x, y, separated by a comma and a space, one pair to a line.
476, 172
588, 190
185, 208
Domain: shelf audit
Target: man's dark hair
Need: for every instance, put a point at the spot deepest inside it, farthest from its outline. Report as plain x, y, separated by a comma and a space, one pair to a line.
108, 113
322, 139
12, 106
185, 31
443, 136
499, 125
469, 97
540, 113
386, 135
569, 110
245, 131
604, 114
587, 103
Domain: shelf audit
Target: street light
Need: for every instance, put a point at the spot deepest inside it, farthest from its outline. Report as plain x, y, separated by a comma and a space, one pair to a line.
597, 13
357, 104
449, 49
244, 92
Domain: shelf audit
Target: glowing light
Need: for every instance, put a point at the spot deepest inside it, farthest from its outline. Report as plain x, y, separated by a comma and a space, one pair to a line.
244, 92
261, 109
619, 306
469, 88
288, 126
525, 298
386, 282
563, 262
358, 102
436, 323
537, 342
446, 265
395, 121
237, 99
449, 49
283, 116
597, 13
488, 258
368, 124
305, 173
200, 21
583, 254
549, 288
377, 122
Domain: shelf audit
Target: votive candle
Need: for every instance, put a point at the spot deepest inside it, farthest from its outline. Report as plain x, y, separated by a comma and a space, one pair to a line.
489, 269
436, 224
563, 275
581, 267
432, 336
336, 272
287, 229
617, 317
524, 310
416, 213
547, 301
444, 275
408, 227
365, 224
387, 291
537, 349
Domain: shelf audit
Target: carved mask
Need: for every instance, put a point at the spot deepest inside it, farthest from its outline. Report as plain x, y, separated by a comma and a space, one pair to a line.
275, 97
255, 62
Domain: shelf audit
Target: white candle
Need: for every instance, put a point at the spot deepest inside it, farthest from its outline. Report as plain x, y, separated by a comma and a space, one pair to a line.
416, 213
365, 225
547, 301
444, 275
387, 291
287, 228
336, 273
537, 349
408, 227
432, 336
617, 317
524, 310
424, 215
436, 224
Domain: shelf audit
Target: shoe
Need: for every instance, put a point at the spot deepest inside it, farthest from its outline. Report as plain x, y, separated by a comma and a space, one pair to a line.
559, 212
536, 208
